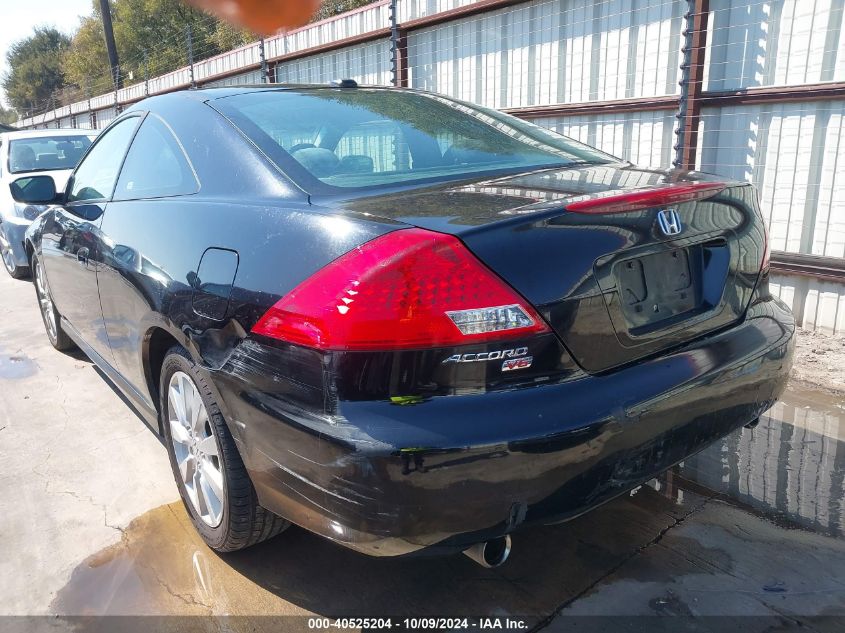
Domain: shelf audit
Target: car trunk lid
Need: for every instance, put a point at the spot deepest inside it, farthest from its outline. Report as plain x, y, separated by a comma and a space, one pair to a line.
616, 281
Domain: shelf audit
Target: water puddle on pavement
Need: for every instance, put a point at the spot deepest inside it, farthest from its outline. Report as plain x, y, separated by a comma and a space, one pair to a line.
788, 469
16, 366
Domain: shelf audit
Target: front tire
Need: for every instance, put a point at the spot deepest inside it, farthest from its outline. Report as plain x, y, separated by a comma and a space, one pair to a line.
49, 314
212, 479
8, 256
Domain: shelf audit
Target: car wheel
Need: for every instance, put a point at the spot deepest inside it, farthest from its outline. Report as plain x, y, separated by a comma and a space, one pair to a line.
211, 477
15, 271
51, 317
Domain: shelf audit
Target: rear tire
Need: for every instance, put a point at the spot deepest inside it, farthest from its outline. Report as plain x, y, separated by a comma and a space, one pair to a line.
209, 472
49, 314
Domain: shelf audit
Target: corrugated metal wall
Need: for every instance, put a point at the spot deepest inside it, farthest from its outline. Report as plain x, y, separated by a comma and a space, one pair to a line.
644, 138
774, 43
368, 63
547, 52
793, 153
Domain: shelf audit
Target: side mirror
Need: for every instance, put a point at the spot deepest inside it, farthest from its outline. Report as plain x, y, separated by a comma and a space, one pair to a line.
35, 190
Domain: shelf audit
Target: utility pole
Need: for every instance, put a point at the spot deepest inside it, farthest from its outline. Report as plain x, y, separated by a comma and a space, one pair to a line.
105, 12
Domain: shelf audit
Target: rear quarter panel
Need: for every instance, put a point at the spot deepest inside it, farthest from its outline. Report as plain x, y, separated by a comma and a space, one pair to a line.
152, 250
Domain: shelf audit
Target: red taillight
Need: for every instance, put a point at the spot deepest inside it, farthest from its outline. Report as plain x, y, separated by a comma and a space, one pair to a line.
620, 202
408, 289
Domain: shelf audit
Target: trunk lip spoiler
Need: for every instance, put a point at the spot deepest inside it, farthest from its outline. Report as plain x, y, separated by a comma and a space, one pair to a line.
625, 201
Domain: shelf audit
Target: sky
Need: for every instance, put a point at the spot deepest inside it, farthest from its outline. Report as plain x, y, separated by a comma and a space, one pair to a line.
18, 17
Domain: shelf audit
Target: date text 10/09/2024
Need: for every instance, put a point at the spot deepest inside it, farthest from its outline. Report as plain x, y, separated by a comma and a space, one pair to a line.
427, 623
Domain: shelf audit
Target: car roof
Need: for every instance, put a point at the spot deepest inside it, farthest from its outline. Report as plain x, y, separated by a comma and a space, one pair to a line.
21, 134
220, 92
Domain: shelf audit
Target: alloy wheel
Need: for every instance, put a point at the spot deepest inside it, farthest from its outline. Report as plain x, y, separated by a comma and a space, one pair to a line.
8, 256
45, 302
196, 450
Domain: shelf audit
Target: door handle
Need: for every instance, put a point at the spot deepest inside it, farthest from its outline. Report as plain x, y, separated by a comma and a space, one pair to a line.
82, 256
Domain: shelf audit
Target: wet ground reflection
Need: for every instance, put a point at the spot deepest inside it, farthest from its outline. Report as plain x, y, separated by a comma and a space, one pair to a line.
790, 467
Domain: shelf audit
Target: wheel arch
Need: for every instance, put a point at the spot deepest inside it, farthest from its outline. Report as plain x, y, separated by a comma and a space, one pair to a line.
157, 342
161, 336
29, 249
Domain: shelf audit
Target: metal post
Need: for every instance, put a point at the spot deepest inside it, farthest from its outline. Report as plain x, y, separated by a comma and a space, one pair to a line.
190, 42
692, 83
116, 101
91, 121
265, 76
394, 42
398, 48
146, 73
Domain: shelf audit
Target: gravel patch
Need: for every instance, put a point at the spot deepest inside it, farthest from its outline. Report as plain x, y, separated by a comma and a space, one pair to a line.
820, 361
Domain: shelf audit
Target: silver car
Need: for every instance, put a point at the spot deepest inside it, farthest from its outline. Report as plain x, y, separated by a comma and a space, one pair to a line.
24, 154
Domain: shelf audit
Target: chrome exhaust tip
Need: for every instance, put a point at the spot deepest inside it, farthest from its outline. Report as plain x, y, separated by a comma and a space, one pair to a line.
491, 554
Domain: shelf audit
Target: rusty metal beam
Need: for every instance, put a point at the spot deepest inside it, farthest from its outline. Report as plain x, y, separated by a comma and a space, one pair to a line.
826, 268
775, 94
643, 104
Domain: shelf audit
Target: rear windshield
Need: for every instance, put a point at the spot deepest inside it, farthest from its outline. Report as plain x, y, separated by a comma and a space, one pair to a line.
45, 153
354, 138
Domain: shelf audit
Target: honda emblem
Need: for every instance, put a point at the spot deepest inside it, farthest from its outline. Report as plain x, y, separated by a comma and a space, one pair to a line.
669, 222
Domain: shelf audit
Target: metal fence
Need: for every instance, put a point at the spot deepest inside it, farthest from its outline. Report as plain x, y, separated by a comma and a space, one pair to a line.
748, 89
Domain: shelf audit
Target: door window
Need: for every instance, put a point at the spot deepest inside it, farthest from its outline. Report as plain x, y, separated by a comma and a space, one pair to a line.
95, 177
155, 166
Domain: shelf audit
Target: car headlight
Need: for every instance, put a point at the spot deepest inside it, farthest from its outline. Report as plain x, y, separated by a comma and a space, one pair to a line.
29, 211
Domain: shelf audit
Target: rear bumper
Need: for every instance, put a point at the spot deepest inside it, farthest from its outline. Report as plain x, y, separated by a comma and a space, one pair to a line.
451, 471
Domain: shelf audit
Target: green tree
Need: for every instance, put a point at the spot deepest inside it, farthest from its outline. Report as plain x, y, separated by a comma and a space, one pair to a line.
328, 8
151, 39
86, 59
35, 69
7, 115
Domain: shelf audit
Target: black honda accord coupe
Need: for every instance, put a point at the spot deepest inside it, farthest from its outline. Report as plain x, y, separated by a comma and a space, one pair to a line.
402, 321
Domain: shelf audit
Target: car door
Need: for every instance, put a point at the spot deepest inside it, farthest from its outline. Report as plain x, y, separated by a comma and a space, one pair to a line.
71, 245
134, 277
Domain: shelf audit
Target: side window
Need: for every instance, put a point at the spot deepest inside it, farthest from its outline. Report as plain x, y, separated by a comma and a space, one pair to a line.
95, 177
156, 166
